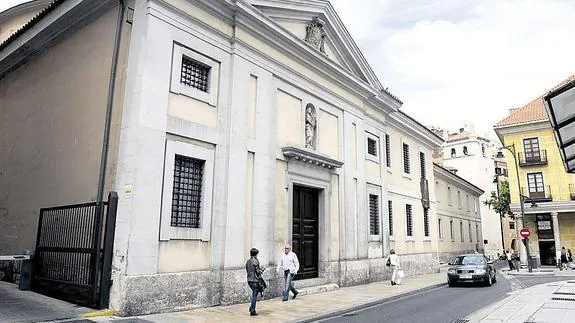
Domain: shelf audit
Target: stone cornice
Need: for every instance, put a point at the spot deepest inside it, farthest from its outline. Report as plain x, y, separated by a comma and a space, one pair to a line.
310, 157
453, 178
404, 123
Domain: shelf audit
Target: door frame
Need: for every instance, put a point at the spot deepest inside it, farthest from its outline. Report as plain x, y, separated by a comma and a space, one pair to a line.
320, 180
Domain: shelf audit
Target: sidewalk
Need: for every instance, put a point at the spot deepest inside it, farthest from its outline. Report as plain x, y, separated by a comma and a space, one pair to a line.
305, 308
551, 302
547, 270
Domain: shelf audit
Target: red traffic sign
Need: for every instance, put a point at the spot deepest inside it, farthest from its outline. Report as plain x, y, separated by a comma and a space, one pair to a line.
524, 233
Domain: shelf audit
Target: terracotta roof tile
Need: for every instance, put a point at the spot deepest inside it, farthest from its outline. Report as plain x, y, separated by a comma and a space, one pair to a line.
533, 111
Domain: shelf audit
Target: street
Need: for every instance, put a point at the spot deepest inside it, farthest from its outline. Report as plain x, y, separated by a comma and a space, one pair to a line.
443, 304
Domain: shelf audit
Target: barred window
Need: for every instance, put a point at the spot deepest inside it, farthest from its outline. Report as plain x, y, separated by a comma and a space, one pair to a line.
470, 236
372, 147
406, 161
409, 220
373, 214
477, 231
461, 229
390, 214
451, 230
195, 74
422, 164
426, 222
449, 195
187, 192
387, 151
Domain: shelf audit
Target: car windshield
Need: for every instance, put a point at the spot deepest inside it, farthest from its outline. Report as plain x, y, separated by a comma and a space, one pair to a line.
470, 260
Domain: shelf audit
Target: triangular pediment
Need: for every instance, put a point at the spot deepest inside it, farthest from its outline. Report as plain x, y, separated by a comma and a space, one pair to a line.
306, 19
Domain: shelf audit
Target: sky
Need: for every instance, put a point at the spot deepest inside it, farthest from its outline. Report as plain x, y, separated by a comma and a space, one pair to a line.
461, 62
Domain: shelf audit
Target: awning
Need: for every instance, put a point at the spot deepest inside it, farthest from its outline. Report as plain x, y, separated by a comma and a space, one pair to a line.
560, 106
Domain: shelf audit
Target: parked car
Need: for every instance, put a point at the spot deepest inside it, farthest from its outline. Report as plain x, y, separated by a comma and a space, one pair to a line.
471, 268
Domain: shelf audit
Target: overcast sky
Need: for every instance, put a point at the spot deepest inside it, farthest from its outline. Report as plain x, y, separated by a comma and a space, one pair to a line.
456, 62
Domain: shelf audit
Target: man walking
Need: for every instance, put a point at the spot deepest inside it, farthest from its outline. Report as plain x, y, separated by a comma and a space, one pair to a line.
393, 261
290, 266
509, 260
254, 272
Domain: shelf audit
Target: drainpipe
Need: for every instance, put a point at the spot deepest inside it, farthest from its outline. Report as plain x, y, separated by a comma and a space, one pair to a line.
109, 105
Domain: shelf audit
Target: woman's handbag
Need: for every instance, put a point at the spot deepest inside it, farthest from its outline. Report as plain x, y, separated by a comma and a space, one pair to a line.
262, 286
388, 263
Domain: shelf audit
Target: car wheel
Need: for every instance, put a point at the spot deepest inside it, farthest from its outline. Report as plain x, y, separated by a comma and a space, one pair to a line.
450, 283
489, 281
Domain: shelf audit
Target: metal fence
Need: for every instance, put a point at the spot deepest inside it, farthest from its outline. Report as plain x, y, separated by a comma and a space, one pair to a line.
73, 254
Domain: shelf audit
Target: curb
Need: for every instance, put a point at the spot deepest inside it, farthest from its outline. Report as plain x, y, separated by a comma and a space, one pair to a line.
107, 312
366, 305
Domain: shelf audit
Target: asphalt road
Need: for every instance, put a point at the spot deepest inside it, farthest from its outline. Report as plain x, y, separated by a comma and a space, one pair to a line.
443, 304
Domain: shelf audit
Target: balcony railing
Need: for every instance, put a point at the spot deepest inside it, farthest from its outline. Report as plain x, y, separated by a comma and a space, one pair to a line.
572, 191
537, 157
537, 196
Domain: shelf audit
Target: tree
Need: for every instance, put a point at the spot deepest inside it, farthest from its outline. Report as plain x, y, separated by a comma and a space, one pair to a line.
500, 201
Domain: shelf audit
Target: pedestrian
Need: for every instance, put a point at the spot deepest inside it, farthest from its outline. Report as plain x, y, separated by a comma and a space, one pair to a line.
254, 272
509, 260
563, 258
290, 265
569, 256
393, 261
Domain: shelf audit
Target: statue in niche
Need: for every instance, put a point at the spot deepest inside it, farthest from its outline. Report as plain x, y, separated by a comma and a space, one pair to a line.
310, 126
315, 34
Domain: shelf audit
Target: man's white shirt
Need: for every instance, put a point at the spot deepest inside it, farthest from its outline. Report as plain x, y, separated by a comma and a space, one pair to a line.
289, 262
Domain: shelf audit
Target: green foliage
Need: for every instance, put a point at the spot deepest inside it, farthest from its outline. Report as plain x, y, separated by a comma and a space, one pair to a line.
500, 203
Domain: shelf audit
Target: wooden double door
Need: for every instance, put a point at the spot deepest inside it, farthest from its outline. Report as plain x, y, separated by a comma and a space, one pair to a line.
305, 230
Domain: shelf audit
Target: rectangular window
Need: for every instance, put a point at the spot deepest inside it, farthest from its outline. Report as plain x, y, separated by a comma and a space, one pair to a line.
440, 229
449, 199
390, 214
372, 146
426, 222
461, 230
451, 230
467, 203
373, 214
406, 161
511, 225
459, 199
475, 204
409, 220
535, 184
387, 151
477, 231
532, 152
470, 237
422, 164
187, 192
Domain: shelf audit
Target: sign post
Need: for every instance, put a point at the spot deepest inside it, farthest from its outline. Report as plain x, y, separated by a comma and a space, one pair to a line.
524, 233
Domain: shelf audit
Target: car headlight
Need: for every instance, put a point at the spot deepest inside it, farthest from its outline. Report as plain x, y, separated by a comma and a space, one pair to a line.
451, 271
480, 271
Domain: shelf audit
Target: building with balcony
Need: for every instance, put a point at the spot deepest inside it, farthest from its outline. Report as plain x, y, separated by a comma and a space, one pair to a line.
473, 158
546, 188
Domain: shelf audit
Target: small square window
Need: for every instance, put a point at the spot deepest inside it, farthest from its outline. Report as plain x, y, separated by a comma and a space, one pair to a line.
194, 75
511, 225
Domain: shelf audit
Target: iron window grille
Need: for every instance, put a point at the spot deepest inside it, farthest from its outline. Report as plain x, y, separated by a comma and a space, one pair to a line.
406, 165
422, 164
195, 74
373, 214
451, 230
470, 237
426, 222
372, 147
409, 220
390, 214
461, 230
387, 151
187, 192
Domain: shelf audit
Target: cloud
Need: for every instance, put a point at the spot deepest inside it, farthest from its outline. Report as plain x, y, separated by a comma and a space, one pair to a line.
461, 61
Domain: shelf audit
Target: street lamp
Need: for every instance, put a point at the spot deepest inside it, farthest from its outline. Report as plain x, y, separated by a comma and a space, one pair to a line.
521, 203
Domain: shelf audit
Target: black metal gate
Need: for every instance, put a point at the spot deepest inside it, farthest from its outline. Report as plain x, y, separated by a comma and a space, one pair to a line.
73, 255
